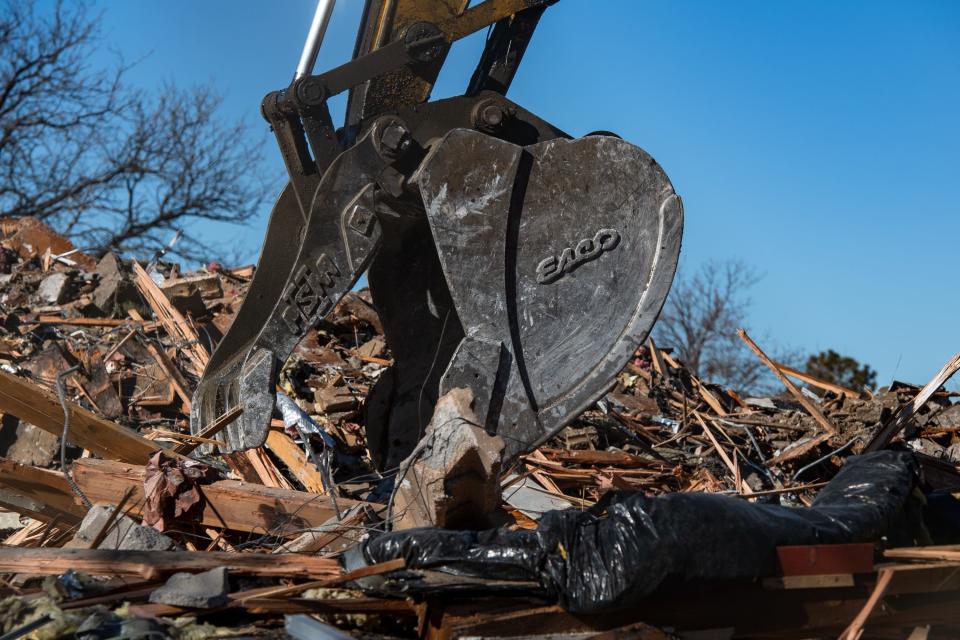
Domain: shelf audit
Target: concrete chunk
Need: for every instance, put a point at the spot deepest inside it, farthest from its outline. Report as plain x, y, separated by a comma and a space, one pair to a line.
53, 289
114, 293
125, 534
196, 590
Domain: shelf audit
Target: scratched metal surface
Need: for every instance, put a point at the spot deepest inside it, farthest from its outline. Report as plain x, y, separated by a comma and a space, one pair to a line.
558, 256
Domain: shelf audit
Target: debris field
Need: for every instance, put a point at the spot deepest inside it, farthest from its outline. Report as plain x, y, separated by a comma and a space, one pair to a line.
118, 522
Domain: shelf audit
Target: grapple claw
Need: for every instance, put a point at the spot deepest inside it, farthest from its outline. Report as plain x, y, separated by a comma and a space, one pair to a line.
332, 250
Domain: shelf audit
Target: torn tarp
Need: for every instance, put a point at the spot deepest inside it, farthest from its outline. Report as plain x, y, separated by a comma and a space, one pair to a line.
622, 549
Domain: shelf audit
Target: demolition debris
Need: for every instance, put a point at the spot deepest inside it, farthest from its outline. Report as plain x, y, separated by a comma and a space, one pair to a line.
818, 512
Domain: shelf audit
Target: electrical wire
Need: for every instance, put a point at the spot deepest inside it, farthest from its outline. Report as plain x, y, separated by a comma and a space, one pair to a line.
61, 394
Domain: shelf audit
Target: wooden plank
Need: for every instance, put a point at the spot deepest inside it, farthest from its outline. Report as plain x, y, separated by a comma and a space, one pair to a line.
594, 457
855, 630
942, 552
41, 494
811, 408
153, 564
287, 604
81, 321
817, 382
655, 357
377, 569
792, 452
296, 460
712, 401
825, 559
818, 581
172, 320
742, 486
237, 505
27, 401
211, 430
905, 413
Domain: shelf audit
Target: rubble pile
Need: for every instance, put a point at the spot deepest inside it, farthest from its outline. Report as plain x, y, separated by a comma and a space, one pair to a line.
115, 517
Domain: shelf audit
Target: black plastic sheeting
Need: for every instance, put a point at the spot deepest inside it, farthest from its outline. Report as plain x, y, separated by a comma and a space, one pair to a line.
628, 544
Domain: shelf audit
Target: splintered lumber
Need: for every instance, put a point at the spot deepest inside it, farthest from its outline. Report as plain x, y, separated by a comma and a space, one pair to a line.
792, 388
296, 460
80, 321
289, 605
712, 401
905, 413
29, 402
232, 504
172, 320
594, 457
948, 553
153, 564
42, 494
363, 572
655, 357
817, 382
251, 464
278, 599
799, 448
742, 485
264, 469
211, 430
855, 630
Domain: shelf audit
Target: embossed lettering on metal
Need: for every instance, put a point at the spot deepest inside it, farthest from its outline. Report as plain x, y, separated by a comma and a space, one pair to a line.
552, 268
306, 296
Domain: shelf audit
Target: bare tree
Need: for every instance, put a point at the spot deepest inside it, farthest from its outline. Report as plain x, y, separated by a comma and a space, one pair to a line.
114, 168
700, 320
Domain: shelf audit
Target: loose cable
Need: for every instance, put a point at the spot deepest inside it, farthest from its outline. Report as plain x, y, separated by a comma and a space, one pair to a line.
61, 394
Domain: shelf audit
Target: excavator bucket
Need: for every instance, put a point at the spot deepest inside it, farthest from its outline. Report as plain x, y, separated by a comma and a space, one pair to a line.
503, 256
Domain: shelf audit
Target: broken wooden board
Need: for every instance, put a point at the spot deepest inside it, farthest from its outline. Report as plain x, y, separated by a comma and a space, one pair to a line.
42, 409
905, 413
949, 553
296, 460
206, 284
42, 494
172, 320
813, 381
811, 408
153, 564
240, 506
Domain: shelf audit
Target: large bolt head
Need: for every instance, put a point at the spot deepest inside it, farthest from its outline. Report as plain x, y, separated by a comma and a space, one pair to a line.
489, 116
424, 41
311, 92
492, 115
394, 139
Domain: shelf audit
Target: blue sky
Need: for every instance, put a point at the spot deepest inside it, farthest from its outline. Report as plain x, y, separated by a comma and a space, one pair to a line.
817, 141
